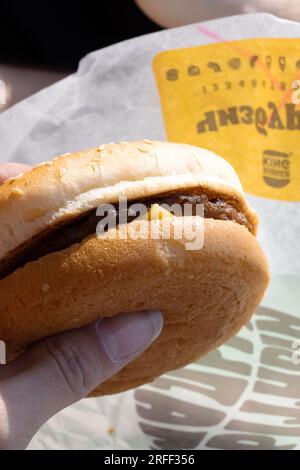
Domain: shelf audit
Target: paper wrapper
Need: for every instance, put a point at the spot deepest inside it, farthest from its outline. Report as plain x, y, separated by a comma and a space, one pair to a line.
234, 97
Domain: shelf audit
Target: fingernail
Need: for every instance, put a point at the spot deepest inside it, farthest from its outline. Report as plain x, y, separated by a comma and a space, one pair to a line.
129, 334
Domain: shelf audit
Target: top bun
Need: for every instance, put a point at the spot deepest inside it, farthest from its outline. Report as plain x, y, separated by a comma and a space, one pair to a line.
74, 183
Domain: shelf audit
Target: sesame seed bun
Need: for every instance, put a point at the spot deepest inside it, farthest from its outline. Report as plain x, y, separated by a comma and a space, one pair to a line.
205, 295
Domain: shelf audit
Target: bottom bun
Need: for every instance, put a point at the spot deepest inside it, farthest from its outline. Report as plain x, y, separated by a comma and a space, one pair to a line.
206, 296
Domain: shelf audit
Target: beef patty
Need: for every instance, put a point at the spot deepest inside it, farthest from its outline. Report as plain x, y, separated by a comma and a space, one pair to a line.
64, 235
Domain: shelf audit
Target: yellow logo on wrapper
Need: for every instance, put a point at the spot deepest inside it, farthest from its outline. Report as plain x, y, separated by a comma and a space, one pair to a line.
241, 100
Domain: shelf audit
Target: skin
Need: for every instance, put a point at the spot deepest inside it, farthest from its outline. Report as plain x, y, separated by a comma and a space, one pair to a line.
172, 13
62, 369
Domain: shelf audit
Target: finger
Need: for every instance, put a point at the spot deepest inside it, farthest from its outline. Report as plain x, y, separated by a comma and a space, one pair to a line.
10, 170
64, 368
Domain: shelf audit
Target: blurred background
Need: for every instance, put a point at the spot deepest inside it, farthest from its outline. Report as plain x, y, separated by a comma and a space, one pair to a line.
42, 42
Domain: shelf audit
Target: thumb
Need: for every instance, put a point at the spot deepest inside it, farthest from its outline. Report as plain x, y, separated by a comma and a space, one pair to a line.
10, 170
64, 368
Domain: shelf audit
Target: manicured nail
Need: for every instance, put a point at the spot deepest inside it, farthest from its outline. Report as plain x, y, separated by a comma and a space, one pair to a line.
128, 334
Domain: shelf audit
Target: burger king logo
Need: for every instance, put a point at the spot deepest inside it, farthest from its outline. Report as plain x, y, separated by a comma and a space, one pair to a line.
276, 168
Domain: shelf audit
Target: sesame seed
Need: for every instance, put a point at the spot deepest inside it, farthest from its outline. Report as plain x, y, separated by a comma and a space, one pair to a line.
111, 430
143, 149
45, 287
17, 192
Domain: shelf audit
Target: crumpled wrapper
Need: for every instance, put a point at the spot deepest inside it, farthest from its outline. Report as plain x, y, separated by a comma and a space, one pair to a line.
245, 394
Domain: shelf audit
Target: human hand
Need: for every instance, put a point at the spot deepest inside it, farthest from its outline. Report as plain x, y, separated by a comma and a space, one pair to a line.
62, 369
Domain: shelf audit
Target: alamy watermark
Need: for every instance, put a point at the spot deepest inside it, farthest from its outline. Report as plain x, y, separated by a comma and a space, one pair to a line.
296, 93
163, 222
296, 352
3, 93
2, 352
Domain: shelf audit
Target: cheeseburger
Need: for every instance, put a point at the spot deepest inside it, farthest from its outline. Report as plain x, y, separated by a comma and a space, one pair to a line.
62, 267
